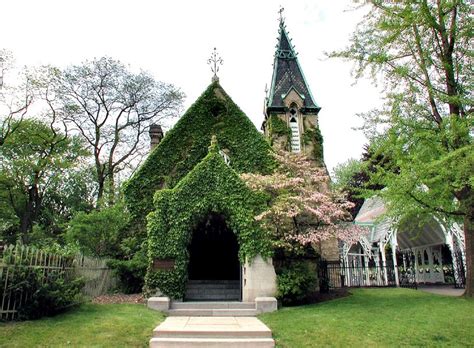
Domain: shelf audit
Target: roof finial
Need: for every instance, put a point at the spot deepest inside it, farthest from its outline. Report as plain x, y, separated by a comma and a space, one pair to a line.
282, 19
214, 62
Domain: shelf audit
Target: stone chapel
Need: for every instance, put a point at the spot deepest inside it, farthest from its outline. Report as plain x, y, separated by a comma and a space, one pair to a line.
203, 241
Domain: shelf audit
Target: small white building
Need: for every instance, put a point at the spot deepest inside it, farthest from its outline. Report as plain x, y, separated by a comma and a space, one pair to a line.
431, 254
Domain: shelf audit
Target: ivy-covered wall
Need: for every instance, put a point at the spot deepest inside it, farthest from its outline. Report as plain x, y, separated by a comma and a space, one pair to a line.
314, 138
212, 186
184, 146
279, 134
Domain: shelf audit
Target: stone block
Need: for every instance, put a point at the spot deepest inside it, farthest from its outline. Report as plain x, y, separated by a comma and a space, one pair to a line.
159, 303
259, 279
266, 304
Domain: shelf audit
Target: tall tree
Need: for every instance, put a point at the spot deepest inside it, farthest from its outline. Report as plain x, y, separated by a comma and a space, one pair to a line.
112, 108
16, 96
33, 159
422, 51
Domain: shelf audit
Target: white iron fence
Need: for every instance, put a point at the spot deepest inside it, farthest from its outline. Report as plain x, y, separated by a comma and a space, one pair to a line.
18, 261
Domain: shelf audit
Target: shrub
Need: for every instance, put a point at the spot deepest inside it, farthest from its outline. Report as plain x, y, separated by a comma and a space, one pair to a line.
296, 282
47, 295
131, 273
98, 232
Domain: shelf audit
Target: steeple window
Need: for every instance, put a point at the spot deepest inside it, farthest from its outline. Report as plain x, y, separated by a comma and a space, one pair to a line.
295, 131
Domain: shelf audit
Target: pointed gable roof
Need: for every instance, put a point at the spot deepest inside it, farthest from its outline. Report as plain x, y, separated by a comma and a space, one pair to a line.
186, 144
287, 75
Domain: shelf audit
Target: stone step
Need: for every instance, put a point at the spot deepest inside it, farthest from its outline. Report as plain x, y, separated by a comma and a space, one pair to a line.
212, 312
213, 281
212, 332
212, 305
212, 342
207, 297
213, 286
218, 292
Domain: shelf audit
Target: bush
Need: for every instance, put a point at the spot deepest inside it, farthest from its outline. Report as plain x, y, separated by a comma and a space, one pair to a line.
48, 294
296, 282
131, 273
98, 233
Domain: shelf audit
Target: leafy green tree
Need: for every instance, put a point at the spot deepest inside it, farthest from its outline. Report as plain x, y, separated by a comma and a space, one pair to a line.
99, 233
112, 108
346, 178
14, 99
34, 159
422, 51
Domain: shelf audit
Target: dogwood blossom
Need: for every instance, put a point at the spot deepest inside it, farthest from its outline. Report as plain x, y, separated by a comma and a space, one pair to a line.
301, 206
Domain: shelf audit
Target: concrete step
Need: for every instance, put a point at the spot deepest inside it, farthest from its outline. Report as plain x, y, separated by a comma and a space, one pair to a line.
212, 305
204, 297
219, 285
213, 281
212, 342
212, 291
226, 332
212, 312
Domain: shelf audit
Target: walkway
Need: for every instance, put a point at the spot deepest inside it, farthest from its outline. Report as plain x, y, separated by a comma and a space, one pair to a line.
229, 332
447, 290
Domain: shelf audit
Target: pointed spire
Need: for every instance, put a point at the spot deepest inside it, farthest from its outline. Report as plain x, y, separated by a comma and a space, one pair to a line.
287, 74
284, 48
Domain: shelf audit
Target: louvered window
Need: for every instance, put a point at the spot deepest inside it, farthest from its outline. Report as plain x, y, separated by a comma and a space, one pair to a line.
295, 131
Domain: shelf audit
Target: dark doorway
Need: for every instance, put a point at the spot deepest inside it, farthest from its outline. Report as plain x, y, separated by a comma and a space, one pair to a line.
213, 253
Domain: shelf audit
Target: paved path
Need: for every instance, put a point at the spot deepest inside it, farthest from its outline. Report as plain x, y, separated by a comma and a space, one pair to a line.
229, 332
447, 290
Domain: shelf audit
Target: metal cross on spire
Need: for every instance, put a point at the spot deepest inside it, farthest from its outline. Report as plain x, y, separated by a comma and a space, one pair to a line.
280, 11
214, 62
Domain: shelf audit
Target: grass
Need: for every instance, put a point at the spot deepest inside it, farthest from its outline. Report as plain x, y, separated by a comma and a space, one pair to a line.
376, 318
90, 325
368, 318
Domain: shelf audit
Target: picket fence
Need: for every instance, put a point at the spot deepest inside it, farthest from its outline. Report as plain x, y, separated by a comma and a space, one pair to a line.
16, 259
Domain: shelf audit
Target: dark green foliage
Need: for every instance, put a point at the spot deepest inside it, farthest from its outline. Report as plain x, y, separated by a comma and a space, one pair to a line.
38, 163
211, 186
313, 136
48, 294
278, 127
131, 273
296, 282
98, 232
183, 147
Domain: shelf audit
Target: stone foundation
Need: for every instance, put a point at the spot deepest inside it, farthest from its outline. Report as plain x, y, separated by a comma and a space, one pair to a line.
258, 279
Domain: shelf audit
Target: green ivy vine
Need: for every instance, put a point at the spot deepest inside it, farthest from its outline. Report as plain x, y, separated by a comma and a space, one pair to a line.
186, 144
212, 186
314, 137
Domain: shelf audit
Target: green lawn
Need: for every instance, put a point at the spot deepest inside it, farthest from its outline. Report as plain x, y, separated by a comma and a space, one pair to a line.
377, 318
90, 325
368, 318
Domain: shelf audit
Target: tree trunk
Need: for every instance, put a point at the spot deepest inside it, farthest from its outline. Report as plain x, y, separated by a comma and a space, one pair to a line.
30, 213
100, 191
111, 188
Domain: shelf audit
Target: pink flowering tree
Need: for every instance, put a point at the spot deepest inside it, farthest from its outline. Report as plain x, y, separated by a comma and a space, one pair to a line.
302, 210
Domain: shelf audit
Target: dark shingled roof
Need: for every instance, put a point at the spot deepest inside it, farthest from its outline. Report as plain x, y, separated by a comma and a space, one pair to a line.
287, 74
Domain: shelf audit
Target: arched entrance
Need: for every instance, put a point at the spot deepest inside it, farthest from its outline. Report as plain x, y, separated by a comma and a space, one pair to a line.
214, 267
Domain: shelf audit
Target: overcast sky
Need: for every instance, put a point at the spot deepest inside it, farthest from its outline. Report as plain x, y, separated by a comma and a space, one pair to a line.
173, 40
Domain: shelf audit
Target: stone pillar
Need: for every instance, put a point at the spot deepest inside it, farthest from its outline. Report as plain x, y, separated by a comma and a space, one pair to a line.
156, 134
258, 279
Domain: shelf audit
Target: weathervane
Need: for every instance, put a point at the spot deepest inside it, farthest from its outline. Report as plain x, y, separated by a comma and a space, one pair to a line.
280, 11
214, 62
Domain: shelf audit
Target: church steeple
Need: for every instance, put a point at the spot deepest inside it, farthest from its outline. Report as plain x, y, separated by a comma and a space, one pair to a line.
287, 76
291, 113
